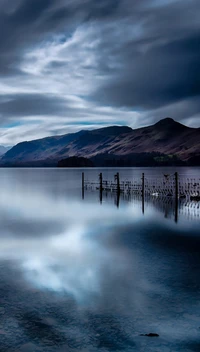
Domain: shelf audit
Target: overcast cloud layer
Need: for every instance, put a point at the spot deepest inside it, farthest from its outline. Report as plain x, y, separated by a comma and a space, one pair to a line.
66, 65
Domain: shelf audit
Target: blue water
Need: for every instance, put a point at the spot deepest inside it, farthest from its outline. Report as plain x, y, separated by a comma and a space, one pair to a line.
83, 275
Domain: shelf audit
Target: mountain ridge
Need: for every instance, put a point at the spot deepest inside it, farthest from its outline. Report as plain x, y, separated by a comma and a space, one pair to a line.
166, 137
3, 149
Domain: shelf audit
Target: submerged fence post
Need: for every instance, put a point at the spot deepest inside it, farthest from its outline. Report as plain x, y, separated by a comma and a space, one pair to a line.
143, 184
100, 186
143, 192
118, 182
83, 185
176, 196
176, 184
118, 188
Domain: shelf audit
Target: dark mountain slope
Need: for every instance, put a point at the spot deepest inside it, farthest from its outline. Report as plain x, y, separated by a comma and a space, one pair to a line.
3, 149
39, 149
82, 143
166, 137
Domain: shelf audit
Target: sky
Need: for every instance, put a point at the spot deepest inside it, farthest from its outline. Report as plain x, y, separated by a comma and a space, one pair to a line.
67, 65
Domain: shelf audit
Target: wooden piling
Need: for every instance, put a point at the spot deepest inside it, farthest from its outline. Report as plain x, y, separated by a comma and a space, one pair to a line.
176, 196
176, 184
118, 182
143, 184
143, 192
100, 187
83, 184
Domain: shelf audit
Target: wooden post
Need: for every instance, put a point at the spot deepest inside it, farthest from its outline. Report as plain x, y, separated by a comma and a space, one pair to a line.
176, 184
176, 196
100, 187
83, 185
143, 192
118, 188
118, 182
143, 184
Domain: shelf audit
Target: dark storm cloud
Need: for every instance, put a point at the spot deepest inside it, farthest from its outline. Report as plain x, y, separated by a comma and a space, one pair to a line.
165, 74
46, 16
19, 29
30, 11
29, 22
32, 104
137, 56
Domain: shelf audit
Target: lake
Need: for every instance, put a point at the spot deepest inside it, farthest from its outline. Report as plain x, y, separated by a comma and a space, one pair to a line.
80, 274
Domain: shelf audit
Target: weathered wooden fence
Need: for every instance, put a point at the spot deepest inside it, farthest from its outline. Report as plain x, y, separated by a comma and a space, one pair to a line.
174, 195
166, 185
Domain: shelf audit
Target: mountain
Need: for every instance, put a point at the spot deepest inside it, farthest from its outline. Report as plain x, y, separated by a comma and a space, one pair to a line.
3, 149
166, 136
165, 139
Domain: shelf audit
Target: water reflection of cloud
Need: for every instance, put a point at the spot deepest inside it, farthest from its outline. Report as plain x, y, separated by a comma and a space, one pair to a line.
69, 263
99, 274
55, 244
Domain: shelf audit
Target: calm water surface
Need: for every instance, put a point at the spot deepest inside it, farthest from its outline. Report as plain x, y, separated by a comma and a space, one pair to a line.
80, 275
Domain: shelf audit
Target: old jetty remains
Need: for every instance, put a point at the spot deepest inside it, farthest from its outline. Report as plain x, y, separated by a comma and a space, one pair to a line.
166, 185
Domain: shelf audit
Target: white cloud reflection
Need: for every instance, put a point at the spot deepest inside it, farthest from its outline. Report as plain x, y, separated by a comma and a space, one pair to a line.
97, 266
57, 245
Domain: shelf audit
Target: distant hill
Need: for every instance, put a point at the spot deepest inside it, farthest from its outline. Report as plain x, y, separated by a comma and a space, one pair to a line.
166, 141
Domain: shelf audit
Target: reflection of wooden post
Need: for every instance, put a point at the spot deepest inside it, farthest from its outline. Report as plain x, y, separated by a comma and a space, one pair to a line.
100, 186
143, 192
176, 210
83, 185
142, 204
118, 197
176, 196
